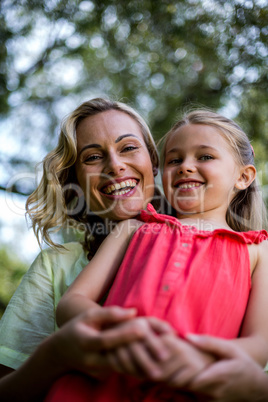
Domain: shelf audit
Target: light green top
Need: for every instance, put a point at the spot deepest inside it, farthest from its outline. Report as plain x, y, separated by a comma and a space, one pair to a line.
30, 315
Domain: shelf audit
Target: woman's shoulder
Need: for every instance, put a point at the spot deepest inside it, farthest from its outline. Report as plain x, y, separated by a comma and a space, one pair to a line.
67, 256
66, 249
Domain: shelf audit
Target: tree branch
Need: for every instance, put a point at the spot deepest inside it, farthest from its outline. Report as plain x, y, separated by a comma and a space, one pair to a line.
14, 190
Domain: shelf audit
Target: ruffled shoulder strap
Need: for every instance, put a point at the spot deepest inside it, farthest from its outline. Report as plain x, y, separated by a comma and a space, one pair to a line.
150, 215
252, 237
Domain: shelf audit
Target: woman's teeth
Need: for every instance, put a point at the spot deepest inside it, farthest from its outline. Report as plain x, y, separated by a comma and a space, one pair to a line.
120, 188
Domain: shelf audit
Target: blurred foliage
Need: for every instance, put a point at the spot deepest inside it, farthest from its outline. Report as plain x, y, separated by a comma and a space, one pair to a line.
159, 56
11, 273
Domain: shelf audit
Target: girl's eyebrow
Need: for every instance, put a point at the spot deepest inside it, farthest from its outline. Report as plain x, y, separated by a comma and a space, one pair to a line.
198, 147
121, 137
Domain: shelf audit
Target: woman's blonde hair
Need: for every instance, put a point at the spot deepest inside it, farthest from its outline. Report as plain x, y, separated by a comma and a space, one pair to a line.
54, 203
247, 210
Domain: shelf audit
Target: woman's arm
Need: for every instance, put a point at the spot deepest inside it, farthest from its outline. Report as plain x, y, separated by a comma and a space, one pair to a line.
233, 377
95, 279
78, 345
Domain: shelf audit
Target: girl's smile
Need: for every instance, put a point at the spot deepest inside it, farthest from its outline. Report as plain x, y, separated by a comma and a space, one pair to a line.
187, 184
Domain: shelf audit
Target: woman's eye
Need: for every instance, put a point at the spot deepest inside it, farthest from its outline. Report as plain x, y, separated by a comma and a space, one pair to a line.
92, 158
206, 157
129, 148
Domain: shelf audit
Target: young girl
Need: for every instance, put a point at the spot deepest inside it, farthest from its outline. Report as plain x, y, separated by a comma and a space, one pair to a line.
204, 272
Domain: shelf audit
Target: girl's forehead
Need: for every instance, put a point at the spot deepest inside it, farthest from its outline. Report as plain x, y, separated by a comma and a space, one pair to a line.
195, 135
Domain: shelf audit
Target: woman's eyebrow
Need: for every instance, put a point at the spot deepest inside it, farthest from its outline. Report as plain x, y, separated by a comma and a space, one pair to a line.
125, 135
99, 146
89, 146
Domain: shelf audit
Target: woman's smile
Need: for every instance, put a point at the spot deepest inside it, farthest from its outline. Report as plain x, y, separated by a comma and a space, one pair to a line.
120, 187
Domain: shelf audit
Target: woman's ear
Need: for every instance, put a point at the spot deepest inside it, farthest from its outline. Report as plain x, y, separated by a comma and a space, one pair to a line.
247, 176
155, 171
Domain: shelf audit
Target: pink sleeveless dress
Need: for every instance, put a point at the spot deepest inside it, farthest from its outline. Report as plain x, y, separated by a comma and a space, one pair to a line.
197, 280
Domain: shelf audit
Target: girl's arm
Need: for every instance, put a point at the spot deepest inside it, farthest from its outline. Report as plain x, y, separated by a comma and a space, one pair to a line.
254, 333
95, 279
186, 362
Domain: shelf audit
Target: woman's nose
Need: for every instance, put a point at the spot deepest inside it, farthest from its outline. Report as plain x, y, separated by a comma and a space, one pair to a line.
114, 165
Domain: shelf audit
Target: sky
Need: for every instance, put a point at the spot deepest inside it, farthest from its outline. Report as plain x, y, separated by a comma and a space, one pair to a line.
14, 231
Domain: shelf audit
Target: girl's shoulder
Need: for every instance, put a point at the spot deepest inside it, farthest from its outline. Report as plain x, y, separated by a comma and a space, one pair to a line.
263, 247
254, 236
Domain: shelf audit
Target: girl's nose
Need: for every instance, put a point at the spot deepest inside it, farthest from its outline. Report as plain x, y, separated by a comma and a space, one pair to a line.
186, 167
114, 165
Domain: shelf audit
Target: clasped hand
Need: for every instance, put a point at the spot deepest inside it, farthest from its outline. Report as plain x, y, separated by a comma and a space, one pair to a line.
108, 339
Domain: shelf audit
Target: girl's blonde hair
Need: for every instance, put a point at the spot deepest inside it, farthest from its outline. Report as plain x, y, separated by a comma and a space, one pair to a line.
247, 210
54, 203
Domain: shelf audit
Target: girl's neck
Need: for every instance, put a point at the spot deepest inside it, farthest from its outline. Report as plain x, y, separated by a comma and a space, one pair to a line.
203, 222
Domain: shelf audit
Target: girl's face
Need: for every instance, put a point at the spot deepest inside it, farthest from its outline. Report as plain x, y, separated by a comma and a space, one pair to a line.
113, 165
200, 172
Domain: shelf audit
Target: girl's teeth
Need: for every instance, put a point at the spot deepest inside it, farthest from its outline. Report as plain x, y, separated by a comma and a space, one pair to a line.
189, 185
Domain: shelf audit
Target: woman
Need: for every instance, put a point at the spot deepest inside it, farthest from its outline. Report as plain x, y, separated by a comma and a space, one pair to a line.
32, 355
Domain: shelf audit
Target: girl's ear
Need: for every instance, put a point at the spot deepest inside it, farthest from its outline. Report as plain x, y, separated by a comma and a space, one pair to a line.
247, 176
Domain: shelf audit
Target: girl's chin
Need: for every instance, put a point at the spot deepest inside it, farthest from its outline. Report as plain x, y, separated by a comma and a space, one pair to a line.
189, 208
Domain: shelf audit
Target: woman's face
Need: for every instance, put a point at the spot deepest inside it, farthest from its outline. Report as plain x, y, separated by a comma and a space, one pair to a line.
113, 165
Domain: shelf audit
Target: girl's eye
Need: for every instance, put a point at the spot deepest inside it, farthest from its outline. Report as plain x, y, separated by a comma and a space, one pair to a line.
174, 161
206, 157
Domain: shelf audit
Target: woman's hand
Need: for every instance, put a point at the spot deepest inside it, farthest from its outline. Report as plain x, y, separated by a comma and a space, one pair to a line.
83, 342
233, 377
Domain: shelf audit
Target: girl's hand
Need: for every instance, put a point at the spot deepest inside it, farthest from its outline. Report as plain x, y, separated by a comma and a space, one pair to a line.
233, 377
185, 363
140, 358
175, 363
